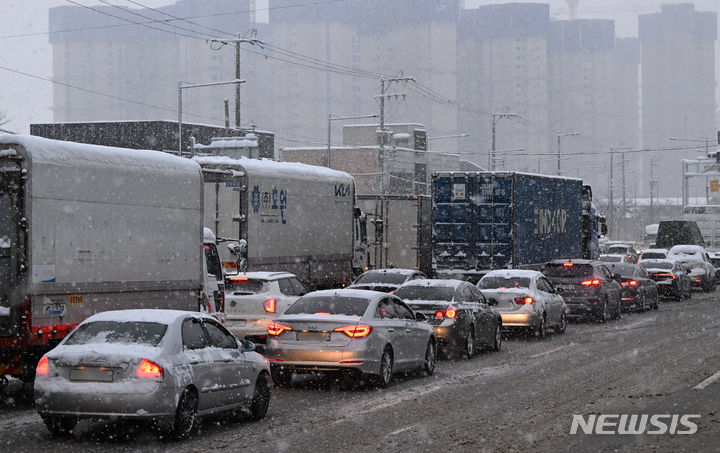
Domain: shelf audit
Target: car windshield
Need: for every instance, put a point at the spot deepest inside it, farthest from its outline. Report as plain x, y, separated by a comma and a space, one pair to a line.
331, 304
416, 292
149, 333
504, 282
380, 277
656, 265
568, 270
245, 286
623, 270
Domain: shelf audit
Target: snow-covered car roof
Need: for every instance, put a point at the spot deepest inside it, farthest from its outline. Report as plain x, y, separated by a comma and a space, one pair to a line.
348, 292
142, 315
686, 249
655, 251
262, 275
433, 282
510, 273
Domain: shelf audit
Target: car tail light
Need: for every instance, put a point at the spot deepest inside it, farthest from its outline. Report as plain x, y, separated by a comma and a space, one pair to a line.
43, 367
629, 283
148, 369
448, 313
358, 331
238, 279
568, 264
322, 313
593, 282
672, 276
527, 300
276, 329
269, 305
391, 292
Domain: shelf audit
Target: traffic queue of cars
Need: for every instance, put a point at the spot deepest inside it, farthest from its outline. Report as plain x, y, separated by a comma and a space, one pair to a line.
171, 367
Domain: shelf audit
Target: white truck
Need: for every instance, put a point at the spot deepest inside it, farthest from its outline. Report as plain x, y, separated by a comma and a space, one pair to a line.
400, 233
87, 228
288, 217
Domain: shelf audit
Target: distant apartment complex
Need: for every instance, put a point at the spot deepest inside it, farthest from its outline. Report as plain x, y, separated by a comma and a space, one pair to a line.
472, 67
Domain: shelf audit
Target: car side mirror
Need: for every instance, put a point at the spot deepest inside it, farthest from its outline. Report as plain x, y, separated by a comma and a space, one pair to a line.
420, 316
247, 346
492, 301
559, 290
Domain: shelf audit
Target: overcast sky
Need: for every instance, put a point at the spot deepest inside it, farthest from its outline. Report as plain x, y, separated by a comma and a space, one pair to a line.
24, 45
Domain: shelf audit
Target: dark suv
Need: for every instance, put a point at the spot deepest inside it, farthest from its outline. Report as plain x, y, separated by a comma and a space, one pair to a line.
588, 287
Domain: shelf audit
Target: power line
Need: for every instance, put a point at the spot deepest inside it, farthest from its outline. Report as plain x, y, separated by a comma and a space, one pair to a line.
178, 18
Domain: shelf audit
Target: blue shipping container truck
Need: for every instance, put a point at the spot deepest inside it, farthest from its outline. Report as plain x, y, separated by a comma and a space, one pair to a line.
494, 220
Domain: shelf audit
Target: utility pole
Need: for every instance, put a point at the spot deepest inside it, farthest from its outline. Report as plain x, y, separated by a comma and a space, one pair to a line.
653, 184
249, 37
560, 136
383, 88
497, 116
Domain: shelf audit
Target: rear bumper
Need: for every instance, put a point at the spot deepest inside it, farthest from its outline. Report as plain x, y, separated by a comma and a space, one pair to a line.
583, 309
101, 400
307, 358
510, 320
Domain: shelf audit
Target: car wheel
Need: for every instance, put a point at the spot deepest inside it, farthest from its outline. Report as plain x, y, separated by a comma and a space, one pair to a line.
656, 305
562, 325
469, 348
541, 330
642, 304
602, 317
430, 358
497, 341
386, 368
186, 414
261, 398
680, 295
281, 378
60, 426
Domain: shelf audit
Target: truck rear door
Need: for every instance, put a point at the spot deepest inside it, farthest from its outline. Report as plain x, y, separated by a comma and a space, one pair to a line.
11, 240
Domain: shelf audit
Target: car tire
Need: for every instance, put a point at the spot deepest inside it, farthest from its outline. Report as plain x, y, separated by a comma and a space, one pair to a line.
430, 358
468, 349
602, 317
59, 426
541, 330
618, 311
562, 325
642, 306
679, 296
261, 398
185, 421
384, 379
281, 378
497, 341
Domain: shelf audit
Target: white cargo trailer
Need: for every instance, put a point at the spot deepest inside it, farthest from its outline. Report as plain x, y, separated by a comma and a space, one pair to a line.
86, 228
293, 217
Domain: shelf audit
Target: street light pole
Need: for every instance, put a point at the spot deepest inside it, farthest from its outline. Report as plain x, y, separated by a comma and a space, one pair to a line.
559, 139
497, 116
338, 118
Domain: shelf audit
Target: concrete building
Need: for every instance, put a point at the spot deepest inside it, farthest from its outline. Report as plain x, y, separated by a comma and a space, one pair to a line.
502, 66
678, 86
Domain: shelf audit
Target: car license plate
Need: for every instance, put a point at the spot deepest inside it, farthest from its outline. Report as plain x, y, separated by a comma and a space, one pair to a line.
85, 373
313, 336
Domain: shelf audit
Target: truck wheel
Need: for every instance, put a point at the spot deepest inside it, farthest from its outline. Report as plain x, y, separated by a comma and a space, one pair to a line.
59, 426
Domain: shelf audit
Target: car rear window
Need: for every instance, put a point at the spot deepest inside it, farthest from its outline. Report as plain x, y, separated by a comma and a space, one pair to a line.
647, 265
504, 282
381, 277
416, 292
611, 258
568, 270
149, 333
333, 305
245, 286
653, 255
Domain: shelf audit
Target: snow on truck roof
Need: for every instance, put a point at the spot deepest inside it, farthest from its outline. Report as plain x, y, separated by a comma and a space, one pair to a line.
271, 167
45, 150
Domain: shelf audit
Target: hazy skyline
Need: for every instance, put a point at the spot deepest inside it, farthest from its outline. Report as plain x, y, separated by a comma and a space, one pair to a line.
25, 48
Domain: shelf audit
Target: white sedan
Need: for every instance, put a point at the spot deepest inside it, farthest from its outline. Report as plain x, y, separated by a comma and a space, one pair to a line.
526, 300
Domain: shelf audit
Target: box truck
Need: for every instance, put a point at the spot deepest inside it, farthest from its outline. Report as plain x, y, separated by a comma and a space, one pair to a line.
87, 228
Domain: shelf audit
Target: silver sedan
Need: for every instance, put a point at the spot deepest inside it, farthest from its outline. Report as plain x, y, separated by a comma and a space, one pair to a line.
355, 332
162, 365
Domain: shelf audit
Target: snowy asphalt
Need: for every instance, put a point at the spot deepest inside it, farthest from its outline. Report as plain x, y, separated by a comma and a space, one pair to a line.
522, 398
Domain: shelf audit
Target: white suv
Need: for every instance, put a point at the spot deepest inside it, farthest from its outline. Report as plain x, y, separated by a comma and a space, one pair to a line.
697, 262
253, 299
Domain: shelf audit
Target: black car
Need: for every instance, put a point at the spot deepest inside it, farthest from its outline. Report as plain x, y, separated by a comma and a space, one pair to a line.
638, 289
462, 318
670, 277
588, 287
385, 280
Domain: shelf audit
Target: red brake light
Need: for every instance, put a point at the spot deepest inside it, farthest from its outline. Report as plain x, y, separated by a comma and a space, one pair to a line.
666, 276
629, 283
276, 329
593, 282
450, 313
148, 369
269, 305
43, 367
238, 279
568, 264
527, 300
322, 313
359, 331
439, 314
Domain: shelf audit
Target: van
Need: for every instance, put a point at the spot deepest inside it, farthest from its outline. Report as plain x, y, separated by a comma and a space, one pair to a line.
676, 232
